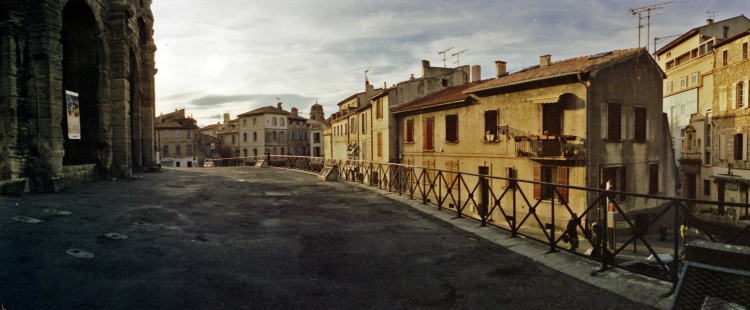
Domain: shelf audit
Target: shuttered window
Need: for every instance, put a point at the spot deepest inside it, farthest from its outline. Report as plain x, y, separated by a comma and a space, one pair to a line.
509, 173
537, 178
427, 134
639, 134
614, 121
380, 144
490, 125
409, 131
653, 179
562, 179
451, 128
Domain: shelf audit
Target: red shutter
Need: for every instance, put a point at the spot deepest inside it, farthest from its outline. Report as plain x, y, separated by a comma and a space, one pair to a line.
562, 179
537, 178
429, 133
424, 135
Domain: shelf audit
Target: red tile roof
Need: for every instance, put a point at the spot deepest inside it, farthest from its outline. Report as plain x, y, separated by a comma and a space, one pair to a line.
446, 96
265, 110
556, 69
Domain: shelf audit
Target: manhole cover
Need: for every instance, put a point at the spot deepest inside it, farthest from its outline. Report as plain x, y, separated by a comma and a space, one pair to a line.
27, 220
277, 193
116, 236
80, 253
57, 212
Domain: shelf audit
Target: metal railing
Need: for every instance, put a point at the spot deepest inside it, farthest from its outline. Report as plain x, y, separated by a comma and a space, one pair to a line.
608, 222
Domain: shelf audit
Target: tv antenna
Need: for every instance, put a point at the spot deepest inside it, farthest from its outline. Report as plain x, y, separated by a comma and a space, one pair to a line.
458, 56
657, 39
443, 52
712, 14
647, 10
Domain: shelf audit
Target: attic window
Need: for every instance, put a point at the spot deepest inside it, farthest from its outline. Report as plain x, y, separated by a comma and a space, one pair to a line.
444, 82
600, 55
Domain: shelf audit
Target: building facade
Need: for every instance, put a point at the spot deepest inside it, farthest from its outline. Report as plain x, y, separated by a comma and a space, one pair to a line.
581, 121
101, 51
175, 137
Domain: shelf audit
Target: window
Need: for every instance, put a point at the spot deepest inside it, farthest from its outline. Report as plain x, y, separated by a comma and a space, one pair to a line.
275, 137
364, 123
614, 122
409, 131
255, 121
281, 121
427, 134
724, 57
244, 137
547, 174
740, 147
694, 79
316, 137
234, 139
726, 32
380, 144
668, 87
166, 135
653, 179
740, 95
451, 128
255, 136
244, 152
618, 179
165, 151
353, 125
490, 125
639, 130
177, 150
552, 115
707, 188
683, 82
379, 109
273, 122
255, 152
744, 50
176, 134
189, 149
244, 123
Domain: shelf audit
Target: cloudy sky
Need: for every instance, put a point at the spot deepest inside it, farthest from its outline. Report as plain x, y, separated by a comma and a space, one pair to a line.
217, 56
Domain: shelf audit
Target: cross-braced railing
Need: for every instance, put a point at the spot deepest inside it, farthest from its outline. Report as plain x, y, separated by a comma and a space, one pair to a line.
610, 223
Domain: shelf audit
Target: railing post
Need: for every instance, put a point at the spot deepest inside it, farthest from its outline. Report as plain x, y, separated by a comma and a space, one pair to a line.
676, 258
552, 247
513, 228
604, 230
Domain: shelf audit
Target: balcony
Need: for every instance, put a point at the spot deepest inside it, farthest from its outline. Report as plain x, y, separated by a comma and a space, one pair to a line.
565, 147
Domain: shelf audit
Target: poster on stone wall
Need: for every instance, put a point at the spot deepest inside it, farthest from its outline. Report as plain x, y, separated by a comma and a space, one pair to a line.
74, 115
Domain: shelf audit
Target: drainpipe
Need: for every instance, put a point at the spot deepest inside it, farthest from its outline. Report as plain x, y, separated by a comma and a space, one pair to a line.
588, 140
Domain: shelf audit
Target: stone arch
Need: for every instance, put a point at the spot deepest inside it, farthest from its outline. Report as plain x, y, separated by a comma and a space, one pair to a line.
83, 62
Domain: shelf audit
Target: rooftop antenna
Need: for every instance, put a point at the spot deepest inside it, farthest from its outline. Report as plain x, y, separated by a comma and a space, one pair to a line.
657, 39
647, 10
458, 56
712, 14
443, 52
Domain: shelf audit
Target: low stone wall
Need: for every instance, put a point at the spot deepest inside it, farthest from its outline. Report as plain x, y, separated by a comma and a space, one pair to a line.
78, 173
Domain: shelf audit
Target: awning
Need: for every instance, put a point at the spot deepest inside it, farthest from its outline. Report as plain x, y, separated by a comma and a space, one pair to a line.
730, 178
553, 98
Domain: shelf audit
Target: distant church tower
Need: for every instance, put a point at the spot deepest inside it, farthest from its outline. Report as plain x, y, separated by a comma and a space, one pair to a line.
316, 112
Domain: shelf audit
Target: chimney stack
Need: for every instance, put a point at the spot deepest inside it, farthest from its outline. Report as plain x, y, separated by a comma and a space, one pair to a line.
278, 105
709, 21
500, 68
295, 112
425, 66
226, 118
476, 73
544, 60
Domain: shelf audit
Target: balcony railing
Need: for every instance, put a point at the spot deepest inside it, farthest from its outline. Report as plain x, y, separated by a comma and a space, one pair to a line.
550, 146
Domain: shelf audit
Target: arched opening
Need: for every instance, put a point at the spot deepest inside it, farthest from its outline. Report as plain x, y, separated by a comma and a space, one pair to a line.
82, 58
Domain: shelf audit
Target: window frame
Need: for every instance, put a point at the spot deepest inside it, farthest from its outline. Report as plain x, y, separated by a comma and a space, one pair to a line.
451, 128
491, 124
724, 57
683, 82
694, 79
668, 87
409, 131
740, 94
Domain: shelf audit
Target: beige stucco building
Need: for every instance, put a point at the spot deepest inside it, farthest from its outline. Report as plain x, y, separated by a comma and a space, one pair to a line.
580, 121
175, 136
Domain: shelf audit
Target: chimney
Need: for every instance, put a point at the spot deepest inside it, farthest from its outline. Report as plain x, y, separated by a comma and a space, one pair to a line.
709, 21
278, 105
500, 68
412, 77
295, 112
226, 118
476, 73
425, 67
544, 60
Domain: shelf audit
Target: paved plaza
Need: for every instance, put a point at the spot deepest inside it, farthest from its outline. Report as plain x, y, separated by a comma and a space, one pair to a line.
265, 238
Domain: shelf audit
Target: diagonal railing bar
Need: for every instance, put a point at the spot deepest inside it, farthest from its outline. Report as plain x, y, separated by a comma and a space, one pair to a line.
471, 195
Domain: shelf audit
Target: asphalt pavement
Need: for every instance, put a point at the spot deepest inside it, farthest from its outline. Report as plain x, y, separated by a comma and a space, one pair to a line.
271, 238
